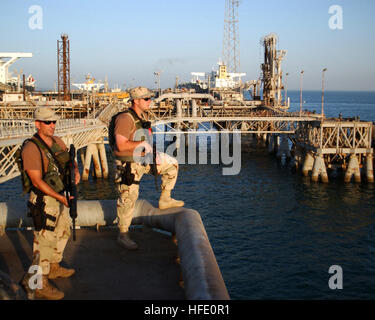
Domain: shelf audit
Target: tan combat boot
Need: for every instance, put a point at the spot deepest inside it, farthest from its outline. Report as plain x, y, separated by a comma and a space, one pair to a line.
48, 291
56, 271
166, 201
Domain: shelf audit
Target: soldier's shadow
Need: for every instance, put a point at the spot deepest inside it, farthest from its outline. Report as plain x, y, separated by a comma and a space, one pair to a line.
16, 252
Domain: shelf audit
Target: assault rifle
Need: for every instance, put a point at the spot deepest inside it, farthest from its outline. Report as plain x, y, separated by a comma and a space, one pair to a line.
153, 164
71, 188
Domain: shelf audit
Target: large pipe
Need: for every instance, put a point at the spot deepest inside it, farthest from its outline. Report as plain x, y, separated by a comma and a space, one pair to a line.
200, 271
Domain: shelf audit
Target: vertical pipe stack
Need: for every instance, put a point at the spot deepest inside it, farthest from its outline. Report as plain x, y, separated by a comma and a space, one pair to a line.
178, 124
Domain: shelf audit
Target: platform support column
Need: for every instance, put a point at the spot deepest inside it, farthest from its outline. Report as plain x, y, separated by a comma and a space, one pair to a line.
319, 169
283, 148
276, 140
91, 152
103, 160
87, 163
298, 156
264, 137
369, 168
96, 161
270, 146
353, 169
308, 164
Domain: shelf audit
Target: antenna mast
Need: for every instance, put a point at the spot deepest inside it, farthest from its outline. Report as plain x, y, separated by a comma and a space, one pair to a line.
231, 41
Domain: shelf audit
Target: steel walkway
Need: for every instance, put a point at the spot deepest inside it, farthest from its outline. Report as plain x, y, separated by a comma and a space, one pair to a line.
188, 114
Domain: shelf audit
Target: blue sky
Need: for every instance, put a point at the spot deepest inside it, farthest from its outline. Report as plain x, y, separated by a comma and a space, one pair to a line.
128, 41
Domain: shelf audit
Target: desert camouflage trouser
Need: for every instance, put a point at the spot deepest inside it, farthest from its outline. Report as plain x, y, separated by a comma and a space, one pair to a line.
168, 169
51, 244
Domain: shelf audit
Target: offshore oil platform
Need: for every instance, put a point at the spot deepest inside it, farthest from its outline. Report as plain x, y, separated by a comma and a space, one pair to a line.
315, 143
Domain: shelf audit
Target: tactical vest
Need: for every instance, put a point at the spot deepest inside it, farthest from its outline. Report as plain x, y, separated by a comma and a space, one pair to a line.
58, 159
139, 135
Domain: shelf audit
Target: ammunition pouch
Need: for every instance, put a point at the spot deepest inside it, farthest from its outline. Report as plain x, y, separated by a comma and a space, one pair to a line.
62, 158
127, 177
36, 212
53, 179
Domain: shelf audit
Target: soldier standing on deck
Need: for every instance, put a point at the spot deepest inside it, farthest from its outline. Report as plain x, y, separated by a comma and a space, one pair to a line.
127, 129
44, 158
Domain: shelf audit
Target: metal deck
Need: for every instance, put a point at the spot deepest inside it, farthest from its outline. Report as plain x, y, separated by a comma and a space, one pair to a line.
104, 270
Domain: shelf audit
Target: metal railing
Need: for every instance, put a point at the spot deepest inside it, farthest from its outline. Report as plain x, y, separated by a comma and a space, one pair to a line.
10, 129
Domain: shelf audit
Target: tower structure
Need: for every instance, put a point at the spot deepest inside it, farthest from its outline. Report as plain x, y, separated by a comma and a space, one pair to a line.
63, 68
272, 73
231, 41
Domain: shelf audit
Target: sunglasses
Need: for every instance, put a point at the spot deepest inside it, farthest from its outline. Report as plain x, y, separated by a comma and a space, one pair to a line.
49, 122
146, 99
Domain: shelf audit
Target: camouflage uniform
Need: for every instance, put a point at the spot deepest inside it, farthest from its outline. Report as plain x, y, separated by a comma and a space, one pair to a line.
50, 216
168, 169
51, 244
130, 125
